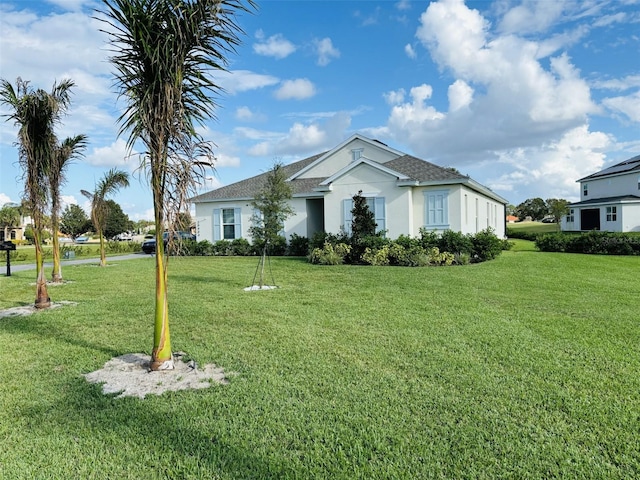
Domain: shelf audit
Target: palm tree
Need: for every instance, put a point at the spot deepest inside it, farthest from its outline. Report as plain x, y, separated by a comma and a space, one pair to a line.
110, 183
36, 112
65, 153
165, 53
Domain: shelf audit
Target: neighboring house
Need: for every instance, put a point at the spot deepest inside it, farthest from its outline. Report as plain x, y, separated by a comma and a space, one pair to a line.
512, 219
609, 200
405, 194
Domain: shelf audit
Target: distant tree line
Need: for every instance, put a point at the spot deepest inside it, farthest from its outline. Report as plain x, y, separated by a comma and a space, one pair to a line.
537, 209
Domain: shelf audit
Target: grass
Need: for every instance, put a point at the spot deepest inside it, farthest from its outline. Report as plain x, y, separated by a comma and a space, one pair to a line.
534, 227
523, 367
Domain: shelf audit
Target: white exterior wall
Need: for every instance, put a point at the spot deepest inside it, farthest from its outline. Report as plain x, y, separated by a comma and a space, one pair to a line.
204, 218
611, 186
373, 183
630, 218
468, 211
297, 223
343, 157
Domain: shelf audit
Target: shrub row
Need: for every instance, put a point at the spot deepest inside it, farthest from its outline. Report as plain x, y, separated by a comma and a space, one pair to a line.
430, 248
522, 234
594, 242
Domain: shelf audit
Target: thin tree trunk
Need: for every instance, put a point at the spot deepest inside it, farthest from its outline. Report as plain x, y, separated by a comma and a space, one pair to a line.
103, 256
42, 296
161, 357
264, 257
56, 274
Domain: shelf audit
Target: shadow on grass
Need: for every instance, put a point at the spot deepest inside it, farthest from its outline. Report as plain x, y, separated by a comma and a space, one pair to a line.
33, 325
154, 436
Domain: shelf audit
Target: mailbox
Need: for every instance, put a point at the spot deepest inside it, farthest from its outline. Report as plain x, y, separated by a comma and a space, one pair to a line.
7, 247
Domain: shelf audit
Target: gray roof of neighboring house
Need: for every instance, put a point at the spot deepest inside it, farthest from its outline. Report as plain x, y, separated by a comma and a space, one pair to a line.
596, 201
630, 165
414, 168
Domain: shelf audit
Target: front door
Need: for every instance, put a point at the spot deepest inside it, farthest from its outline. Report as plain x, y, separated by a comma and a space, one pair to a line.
590, 219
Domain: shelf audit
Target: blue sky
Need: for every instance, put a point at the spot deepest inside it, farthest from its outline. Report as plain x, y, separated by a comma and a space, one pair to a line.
526, 97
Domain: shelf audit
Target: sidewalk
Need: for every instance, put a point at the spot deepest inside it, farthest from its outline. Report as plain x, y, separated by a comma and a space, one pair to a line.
23, 267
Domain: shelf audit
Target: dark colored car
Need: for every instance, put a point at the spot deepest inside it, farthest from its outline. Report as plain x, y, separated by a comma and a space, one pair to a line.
149, 246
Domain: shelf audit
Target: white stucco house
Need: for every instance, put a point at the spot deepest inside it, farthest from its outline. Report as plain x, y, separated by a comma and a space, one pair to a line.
404, 192
609, 200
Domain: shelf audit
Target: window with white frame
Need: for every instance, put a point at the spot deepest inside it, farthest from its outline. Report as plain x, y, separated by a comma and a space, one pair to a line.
571, 216
375, 204
612, 214
226, 224
437, 209
585, 189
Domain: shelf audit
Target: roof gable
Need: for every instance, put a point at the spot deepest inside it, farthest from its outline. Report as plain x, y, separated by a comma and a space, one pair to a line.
357, 163
355, 137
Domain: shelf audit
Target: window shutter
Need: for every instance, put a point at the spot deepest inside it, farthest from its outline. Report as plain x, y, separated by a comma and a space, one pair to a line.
237, 223
216, 224
378, 210
347, 206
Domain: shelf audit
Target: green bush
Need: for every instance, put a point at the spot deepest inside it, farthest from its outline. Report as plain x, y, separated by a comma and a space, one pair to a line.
593, 242
455, 242
241, 247
298, 245
487, 246
377, 257
222, 247
330, 255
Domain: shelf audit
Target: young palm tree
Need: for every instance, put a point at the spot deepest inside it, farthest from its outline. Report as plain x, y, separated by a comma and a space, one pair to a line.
65, 153
111, 182
36, 112
165, 55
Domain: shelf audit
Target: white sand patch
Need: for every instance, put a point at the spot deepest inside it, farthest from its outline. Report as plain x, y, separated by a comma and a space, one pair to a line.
30, 309
130, 376
258, 287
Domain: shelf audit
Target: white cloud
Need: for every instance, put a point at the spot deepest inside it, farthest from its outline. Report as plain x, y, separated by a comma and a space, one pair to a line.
114, 155
275, 46
394, 97
531, 16
325, 51
460, 95
236, 81
410, 51
552, 168
297, 89
225, 160
245, 114
628, 105
5, 199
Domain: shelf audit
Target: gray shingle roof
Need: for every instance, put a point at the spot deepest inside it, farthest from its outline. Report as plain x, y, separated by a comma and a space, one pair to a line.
251, 186
619, 199
415, 168
421, 170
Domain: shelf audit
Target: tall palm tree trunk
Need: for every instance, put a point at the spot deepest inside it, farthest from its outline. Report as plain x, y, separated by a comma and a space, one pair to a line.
42, 296
103, 255
56, 274
162, 356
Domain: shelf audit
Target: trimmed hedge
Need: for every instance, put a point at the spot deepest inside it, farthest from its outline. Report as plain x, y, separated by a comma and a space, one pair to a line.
594, 242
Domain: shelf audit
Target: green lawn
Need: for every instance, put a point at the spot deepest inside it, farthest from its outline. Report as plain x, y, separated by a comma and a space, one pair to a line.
523, 367
534, 227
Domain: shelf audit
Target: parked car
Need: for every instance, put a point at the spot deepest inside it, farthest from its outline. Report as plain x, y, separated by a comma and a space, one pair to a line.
82, 239
123, 237
149, 246
548, 220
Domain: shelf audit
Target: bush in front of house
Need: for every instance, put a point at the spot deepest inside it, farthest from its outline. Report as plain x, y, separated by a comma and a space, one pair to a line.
593, 242
298, 246
330, 254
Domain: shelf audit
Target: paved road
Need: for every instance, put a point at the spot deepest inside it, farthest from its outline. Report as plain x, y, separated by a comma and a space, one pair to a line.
20, 268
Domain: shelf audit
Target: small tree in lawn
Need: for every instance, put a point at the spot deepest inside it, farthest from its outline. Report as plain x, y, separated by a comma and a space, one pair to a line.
271, 209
